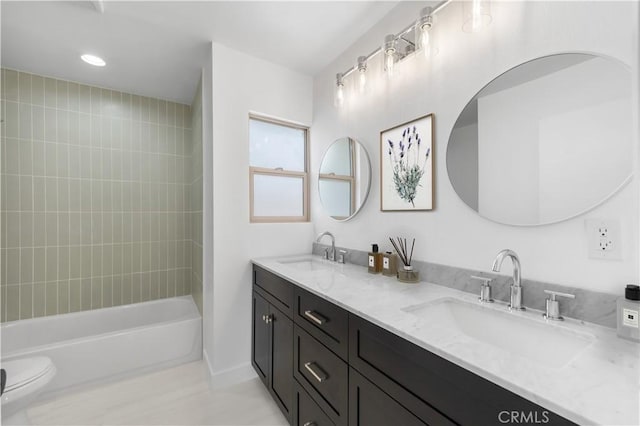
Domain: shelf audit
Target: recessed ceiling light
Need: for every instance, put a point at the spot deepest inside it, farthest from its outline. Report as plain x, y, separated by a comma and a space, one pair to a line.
93, 60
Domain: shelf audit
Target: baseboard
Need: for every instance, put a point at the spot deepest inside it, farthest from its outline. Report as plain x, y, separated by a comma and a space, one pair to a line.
231, 376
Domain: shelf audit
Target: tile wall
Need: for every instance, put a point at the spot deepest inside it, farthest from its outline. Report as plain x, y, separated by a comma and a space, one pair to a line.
96, 197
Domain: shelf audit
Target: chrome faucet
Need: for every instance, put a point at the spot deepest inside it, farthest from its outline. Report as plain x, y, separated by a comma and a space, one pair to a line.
516, 287
331, 255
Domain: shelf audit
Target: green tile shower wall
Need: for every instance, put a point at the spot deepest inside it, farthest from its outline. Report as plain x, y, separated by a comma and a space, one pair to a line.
96, 197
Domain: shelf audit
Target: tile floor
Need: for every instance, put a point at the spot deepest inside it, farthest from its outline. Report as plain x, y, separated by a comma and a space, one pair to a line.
176, 396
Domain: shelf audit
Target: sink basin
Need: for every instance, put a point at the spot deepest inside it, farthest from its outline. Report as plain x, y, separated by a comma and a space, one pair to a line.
540, 342
306, 264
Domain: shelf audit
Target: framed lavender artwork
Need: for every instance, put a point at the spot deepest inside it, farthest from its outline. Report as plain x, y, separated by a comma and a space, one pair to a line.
406, 166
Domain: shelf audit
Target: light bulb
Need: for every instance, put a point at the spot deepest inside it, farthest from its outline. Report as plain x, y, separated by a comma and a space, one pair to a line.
362, 73
362, 81
422, 28
424, 37
424, 41
389, 62
477, 14
339, 95
389, 50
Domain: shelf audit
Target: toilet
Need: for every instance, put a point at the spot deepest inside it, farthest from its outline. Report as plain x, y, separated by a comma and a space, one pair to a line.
26, 379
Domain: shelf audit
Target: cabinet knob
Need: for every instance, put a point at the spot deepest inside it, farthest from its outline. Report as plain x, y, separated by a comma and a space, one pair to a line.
268, 318
309, 424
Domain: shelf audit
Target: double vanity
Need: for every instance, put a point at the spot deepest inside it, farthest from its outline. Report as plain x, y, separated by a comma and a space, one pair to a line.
336, 345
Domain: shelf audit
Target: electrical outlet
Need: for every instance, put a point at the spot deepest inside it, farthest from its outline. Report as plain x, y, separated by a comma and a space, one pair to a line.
603, 236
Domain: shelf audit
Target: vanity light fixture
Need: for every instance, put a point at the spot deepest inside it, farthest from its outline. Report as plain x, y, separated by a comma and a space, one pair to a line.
396, 47
93, 60
477, 15
362, 73
423, 26
339, 95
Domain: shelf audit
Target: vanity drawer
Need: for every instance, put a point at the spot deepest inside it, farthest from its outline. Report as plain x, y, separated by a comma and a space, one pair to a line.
279, 291
369, 406
306, 411
323, 374
323, 320
430, 386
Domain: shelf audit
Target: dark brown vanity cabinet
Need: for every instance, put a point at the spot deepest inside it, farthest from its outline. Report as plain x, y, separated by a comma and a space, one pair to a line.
326, 366
435, 390
306, 412
325, 321
370, 406
322, 374
272, 346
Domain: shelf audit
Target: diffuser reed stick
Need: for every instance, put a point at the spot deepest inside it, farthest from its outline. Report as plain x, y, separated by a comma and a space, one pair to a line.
401, 247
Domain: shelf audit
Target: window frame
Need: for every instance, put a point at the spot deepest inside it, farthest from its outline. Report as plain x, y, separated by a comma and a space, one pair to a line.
345, 178
280, 172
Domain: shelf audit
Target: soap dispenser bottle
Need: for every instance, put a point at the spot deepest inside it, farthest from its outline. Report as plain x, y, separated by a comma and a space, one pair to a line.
375, 260
389, 264
628, 314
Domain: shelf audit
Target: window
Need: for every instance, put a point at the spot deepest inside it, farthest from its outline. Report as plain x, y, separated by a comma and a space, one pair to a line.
278, 171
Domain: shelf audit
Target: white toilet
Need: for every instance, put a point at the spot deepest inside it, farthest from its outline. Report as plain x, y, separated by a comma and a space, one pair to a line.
26, 378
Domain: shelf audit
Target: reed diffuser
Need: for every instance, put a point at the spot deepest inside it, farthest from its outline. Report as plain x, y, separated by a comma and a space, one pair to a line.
406, 274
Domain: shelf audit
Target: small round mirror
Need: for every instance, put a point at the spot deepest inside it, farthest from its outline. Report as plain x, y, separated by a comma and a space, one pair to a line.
344, 178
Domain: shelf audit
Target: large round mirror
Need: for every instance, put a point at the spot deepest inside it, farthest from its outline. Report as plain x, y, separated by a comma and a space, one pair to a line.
344, 178
545, 141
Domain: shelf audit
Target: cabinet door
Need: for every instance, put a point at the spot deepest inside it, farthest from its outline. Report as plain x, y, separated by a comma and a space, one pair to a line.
369, 406
281, 359
260, 338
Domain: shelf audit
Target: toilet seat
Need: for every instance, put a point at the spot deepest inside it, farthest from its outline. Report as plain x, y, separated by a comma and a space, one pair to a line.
22, 372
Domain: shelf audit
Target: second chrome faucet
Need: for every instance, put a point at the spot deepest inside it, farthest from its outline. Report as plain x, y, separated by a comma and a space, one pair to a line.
516, 287
330, 254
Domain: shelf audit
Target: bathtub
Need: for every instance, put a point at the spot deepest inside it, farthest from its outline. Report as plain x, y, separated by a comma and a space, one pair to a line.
109, 343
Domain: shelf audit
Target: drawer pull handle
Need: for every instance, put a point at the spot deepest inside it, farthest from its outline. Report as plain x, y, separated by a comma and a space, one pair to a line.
310, 424
321, 376
315, 317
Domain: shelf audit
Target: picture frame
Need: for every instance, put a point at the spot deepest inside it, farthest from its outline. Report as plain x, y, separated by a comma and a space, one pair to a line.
406, 166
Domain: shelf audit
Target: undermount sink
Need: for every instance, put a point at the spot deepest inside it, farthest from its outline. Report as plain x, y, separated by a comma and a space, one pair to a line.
306, 264
535, 340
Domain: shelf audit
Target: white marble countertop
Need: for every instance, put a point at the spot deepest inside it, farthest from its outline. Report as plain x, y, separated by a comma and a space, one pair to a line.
600, 385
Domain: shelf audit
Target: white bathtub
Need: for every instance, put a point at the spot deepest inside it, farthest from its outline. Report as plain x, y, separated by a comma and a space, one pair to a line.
109, 343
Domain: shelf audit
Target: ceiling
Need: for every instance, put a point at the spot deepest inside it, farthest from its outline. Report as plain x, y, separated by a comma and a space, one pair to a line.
156, 48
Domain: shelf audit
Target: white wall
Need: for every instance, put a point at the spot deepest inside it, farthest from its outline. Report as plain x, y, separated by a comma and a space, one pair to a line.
207, 208
453, 233
243, 84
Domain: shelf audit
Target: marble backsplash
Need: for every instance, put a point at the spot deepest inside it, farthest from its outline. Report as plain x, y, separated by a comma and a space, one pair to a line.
590, 306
